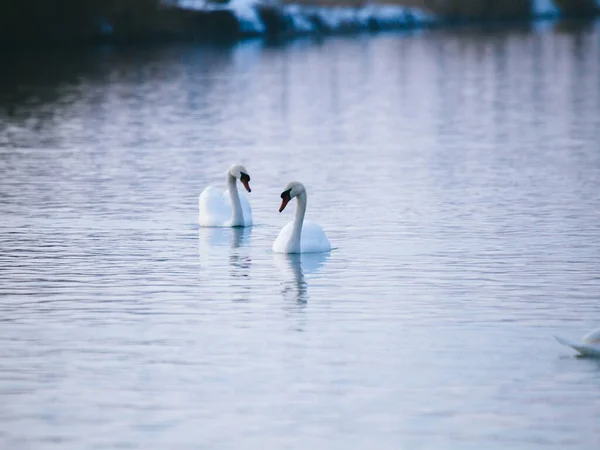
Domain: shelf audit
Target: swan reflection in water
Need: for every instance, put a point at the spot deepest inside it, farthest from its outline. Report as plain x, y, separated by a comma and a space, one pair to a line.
211, 244
294, 267
211, 239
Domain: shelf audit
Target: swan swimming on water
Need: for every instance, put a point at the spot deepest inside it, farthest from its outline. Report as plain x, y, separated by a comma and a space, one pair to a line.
299, 236
227, 209
589, 345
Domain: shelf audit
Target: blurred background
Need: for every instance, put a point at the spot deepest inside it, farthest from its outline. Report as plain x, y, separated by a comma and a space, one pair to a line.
450, 153
72, 20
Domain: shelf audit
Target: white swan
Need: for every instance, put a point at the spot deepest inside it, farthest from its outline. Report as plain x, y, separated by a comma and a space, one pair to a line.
589, 345
227, 209
299, 236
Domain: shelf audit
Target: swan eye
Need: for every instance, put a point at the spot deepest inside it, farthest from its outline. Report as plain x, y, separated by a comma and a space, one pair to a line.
285, 195
244, 177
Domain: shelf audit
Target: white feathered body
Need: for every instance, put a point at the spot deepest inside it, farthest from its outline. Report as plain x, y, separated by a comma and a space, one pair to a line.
215, 209
589, 345
312, 240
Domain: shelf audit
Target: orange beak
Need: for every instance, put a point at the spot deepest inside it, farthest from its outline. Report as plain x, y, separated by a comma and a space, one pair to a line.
246, 185
284, 202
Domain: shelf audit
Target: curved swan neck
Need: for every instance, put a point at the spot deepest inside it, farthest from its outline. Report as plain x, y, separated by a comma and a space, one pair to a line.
298, 221
237, 216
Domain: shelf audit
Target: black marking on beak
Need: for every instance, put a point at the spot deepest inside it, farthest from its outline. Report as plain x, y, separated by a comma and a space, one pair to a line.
245, 179
285, 198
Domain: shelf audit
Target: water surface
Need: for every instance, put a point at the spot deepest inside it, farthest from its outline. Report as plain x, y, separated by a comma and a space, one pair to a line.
457, 174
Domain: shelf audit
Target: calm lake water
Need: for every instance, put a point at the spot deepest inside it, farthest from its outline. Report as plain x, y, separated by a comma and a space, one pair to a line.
456, 173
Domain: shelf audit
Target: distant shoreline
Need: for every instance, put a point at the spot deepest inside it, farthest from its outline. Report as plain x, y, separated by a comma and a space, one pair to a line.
155, 20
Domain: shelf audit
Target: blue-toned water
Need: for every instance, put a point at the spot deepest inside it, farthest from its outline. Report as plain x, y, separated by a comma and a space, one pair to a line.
457, 173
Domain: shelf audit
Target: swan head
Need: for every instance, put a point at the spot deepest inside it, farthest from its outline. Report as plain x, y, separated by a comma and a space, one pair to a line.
239, 172
293, 189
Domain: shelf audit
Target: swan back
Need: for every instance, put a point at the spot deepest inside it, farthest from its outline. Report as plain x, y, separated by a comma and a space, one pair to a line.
592, 338
313, 239
584, 349
214, 210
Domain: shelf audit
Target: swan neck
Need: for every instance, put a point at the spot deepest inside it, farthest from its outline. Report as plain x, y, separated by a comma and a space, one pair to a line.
298, 221
237, 216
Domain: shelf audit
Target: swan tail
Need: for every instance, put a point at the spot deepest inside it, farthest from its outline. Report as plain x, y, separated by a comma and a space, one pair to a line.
564, 341
582, 349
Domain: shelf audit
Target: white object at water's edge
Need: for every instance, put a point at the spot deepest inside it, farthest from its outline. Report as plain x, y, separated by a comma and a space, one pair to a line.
588, 346
301, 18
545, 8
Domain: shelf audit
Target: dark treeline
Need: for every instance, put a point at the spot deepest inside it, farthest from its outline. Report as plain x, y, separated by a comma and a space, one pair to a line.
73, 21
504, 9
80, 21
22, 20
